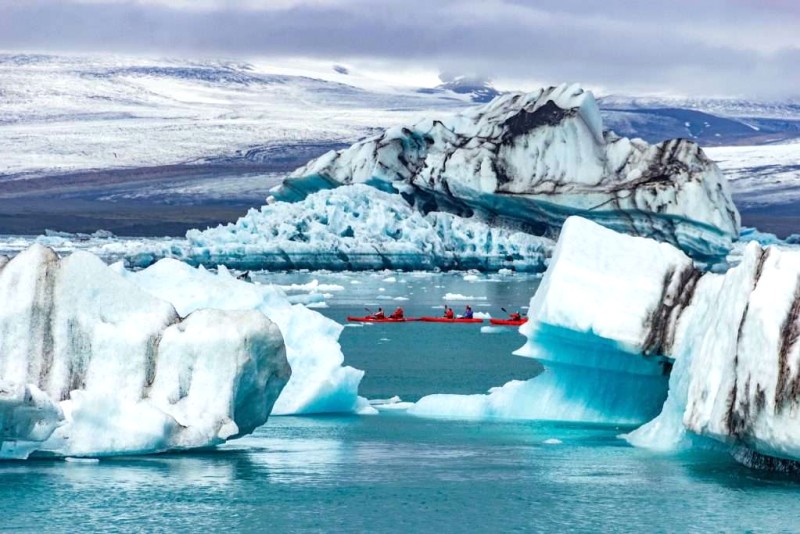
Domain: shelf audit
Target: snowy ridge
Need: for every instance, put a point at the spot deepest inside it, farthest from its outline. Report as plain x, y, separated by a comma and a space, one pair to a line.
537, 159
90, 365
761, 175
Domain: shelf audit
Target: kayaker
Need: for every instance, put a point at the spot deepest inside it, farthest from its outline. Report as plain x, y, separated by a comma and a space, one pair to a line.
516, 316
468, 312
397, 314
379, 314
448, 313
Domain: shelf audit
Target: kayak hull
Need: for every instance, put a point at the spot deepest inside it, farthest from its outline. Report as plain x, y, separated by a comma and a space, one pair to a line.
446, 320
507, 322
374, 320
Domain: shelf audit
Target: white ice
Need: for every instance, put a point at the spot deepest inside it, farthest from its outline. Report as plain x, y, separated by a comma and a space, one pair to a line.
539, 158
320, 383
90, 365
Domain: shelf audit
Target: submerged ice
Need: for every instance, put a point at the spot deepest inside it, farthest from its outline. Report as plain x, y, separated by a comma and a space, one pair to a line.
537, 159
91, 365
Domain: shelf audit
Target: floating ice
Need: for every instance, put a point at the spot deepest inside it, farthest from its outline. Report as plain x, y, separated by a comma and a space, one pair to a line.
361, 228
589, 331
633, 308
353, 228
539, 158
90, 365
319, 382
494, 330
458, 296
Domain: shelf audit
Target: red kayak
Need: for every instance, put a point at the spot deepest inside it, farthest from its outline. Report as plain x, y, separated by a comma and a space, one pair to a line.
370, 319
508, 322
446, 320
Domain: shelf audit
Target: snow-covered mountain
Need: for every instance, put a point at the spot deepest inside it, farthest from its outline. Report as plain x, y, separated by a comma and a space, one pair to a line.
63, 114
476, 89
535, 159
709, 122
155, 147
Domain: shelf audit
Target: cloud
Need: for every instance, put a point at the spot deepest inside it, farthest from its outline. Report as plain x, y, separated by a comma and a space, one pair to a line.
715, 47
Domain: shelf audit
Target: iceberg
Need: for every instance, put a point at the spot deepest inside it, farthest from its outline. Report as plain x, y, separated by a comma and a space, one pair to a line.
319, 382
361, 228
641, 309
90, 365
737, 360
598, 328
534, 160
353, 228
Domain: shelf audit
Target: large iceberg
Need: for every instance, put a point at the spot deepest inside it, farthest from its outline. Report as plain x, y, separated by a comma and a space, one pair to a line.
536, 159
360, 228
319, 382
352, 228
604, 357
641, 308
91, 365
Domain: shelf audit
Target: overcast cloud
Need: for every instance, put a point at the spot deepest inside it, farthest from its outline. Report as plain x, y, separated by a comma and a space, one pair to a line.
708, 47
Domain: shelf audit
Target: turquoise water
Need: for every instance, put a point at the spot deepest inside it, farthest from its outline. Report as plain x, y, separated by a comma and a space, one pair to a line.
393, 472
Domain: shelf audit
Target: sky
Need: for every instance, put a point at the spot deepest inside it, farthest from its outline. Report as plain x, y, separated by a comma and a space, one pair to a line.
748, 48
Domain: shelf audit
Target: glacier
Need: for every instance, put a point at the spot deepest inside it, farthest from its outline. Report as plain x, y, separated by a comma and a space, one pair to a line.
90, 365
350, 228
535, 159
319, 382
181, 111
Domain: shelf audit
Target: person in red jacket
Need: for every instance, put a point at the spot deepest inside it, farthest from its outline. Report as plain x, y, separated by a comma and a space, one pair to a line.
448, 313
398, 314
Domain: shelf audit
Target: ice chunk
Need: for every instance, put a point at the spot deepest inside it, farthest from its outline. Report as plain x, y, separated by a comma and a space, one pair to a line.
353, 228
319, 382
637, 308
539, 158
737, 360
358, 228
90, 365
